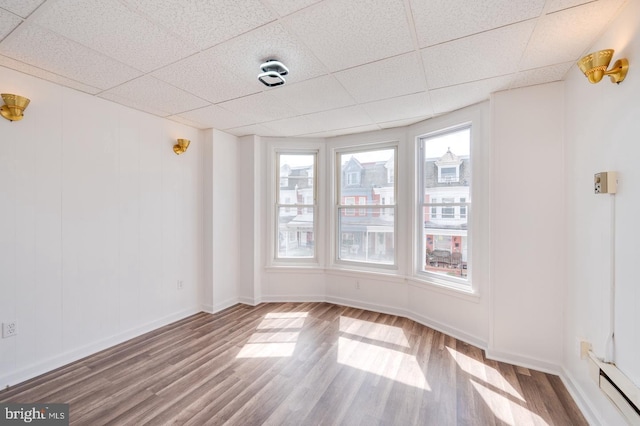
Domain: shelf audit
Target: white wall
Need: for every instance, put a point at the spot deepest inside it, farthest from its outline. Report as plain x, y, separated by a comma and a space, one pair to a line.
528, 224
602, 129
249, 178
221, 211
99, 219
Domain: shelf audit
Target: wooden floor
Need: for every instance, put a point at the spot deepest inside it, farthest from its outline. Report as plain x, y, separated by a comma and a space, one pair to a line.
299, 364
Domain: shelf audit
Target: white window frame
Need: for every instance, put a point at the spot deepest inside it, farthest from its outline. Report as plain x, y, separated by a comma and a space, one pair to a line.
430, 130
337, 236
277, 204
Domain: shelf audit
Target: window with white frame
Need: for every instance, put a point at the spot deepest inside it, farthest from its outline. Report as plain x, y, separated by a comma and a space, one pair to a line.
296, 206
444, 188
366, 235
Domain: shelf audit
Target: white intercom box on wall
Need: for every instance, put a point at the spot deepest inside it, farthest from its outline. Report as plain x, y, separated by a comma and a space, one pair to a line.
605, 182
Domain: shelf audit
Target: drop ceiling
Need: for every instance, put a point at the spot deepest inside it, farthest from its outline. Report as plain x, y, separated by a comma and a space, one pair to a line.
355, 65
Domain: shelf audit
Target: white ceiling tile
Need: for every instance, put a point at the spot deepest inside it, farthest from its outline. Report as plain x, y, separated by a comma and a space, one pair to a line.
401, 123
46, 75
147, 90
107, 26
187, 122
438, 21
255, 129
342, 132
477, 57
569, 31
400, 108
342, 118
343, 34
217, 118
292, 126
541, 75
205, 22
286, 7
20, 7
556, 5
47, 50
400, 75
8, 21
133, 103
260, 107
207, 76
353, 130
244, 54
315, 95
456, 97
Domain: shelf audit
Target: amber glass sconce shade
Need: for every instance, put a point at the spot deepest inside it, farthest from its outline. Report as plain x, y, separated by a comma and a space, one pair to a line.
594, 66
13, 109
181, 146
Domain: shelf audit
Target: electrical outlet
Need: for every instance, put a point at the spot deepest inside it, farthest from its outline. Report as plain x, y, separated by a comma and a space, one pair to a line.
605, 183
180, 284
357, 284
9, 329
585, 347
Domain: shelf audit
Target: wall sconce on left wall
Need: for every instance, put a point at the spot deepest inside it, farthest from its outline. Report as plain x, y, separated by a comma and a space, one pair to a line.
13, 109
181, 146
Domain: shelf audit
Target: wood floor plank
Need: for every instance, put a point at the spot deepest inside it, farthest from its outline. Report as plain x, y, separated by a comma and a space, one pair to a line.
298, 364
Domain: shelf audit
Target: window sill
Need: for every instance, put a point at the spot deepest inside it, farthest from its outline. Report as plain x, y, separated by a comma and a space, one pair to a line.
358, 273
460, 291
294, 269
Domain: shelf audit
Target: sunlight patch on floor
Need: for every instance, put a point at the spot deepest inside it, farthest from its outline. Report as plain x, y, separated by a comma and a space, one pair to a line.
374, 331
507, 410
483, 372
273, 344
266, 350
382, 361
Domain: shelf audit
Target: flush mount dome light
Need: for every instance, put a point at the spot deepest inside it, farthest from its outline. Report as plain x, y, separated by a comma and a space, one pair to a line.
273, 73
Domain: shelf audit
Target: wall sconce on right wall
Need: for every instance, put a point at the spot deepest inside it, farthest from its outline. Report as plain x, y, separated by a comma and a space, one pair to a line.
594, 66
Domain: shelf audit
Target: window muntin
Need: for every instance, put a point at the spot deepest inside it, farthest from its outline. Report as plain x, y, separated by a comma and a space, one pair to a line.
296, 205
367, 234
444, 191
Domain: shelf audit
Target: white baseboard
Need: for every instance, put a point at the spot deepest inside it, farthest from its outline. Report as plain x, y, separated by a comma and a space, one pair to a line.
580, 398
420, 319
285, 298
221, 306
65, 358
524, 361
249, 301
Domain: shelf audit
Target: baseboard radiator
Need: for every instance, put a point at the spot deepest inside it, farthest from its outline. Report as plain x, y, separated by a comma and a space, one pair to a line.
618, 387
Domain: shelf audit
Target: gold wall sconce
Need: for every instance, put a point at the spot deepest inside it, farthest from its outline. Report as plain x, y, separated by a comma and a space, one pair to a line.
14, 106
181, 146
594, 66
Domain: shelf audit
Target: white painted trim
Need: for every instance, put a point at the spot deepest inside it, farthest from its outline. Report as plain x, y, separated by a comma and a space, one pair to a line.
385, 309
225, 304
524, 361
248, 301
68, 357
580, 398
285, 298
207, 308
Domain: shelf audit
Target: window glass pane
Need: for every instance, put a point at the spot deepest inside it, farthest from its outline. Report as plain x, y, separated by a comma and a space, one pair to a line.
367, 237
446, 159
446, 178
367, 177
295, 232
296, 179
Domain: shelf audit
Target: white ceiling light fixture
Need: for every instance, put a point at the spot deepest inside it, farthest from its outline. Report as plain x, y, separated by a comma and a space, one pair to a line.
273, 73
